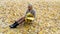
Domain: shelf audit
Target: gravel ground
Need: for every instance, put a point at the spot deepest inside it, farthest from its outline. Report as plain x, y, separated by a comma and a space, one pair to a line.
47, 16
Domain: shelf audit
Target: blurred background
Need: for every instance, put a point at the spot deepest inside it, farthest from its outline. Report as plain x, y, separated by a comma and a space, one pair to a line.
47, 16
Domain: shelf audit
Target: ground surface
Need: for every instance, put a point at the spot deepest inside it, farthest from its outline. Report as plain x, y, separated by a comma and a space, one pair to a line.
47, 16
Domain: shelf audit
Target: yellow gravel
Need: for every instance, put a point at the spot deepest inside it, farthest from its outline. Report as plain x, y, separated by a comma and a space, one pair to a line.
47, 16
